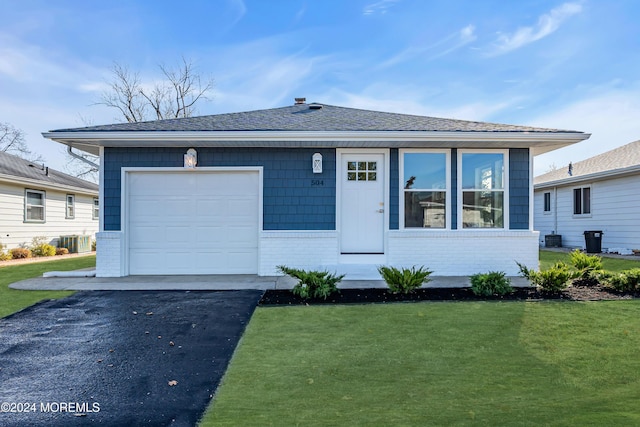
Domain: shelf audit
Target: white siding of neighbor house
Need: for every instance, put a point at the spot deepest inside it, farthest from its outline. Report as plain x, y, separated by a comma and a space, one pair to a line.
615, 210
15, 232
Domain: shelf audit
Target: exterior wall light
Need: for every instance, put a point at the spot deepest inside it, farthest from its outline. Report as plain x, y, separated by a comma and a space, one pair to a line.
191, 158
317, 163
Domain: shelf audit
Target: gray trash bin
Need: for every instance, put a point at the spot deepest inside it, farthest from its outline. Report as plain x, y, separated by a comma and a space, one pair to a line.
593, 241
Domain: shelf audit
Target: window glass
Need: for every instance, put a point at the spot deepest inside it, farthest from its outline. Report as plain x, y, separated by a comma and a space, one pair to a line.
425, 171
547, 202
96, 208
581, 201
483, 190
482, 209
423, 174
425, 209
34, 206
586, 200
70, 213
483, 171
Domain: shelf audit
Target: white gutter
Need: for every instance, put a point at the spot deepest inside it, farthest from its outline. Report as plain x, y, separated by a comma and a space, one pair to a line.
36, 183
589, 177
190, 136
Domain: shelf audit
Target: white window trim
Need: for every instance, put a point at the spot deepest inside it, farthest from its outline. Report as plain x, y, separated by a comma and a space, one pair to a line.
93, 209
44, 206
447, 189
581, 188
72, 205
506, 221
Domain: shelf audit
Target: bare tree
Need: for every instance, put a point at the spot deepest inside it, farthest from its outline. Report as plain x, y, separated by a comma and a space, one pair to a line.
173, 97
12, 141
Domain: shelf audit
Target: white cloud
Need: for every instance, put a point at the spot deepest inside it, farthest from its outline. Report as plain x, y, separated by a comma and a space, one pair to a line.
448, 44
547, 24
611, 119
380, 7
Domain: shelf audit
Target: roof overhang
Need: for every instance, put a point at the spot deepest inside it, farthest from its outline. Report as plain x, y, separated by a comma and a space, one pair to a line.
539, 142
596, 176
36, 184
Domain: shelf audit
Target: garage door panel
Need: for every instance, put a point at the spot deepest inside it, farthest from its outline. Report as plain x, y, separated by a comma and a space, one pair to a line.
179, 235
195, 222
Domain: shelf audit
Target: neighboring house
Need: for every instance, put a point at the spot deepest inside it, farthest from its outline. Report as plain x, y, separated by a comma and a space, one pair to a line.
314, 186
601, 193
37, 201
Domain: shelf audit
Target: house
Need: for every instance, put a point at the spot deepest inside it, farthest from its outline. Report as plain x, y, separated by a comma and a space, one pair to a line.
38, 201
314, 186
601, 193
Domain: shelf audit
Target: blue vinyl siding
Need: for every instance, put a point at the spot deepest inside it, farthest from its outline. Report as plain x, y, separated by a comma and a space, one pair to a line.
394, 185
454, 189
294, 198
519, 188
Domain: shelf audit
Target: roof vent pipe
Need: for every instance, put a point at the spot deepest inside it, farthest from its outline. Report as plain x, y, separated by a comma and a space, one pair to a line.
300, 101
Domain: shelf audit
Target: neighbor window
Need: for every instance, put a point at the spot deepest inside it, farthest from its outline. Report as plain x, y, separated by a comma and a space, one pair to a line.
425, 189
96, 208
70, 211
547, 202
34, 206
483, 189
582, 201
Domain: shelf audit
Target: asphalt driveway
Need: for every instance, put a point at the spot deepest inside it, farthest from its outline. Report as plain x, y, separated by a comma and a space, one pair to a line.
116, 358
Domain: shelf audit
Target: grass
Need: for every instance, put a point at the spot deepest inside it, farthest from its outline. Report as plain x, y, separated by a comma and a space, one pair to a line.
548, 258
12, 300
447, 363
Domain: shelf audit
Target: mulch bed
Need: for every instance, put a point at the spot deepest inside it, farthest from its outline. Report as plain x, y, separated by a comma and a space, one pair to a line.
360, 296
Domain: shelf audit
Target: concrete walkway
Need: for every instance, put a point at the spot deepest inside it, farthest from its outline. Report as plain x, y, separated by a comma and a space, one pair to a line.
214, 282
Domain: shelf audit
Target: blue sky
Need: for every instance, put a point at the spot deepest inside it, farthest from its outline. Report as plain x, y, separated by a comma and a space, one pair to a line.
560, 64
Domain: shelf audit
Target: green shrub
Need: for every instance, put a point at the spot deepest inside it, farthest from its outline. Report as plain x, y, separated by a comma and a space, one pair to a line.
312, 284
40, 247
62, 251
587, 268
491, 283
4, 256
405, 280
553, 279
625, 281
20, 253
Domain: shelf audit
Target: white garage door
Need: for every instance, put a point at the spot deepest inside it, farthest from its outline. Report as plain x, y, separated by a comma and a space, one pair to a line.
193, 222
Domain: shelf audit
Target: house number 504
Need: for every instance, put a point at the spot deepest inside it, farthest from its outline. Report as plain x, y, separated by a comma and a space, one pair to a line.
317, 182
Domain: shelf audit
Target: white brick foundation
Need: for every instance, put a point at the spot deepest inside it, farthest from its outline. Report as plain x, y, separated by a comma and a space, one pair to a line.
446, 253
109, 262
299, 249
464, 252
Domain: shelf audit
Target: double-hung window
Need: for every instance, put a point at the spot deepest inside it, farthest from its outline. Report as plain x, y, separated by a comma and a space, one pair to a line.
482, 183
70, 209
96, 208
34, 206
582, 201
425, 188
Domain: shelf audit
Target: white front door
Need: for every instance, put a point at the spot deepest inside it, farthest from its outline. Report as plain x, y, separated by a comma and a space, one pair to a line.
362, 203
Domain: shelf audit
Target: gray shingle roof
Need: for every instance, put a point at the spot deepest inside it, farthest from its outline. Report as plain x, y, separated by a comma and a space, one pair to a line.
20, 168
304, 117
620, 158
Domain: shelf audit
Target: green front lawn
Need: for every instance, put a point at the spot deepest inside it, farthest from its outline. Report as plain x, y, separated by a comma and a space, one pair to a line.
548, 258
442, 363
12, 300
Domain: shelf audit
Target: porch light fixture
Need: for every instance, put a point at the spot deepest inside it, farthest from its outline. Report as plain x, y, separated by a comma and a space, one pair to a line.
317, 163
191, 158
